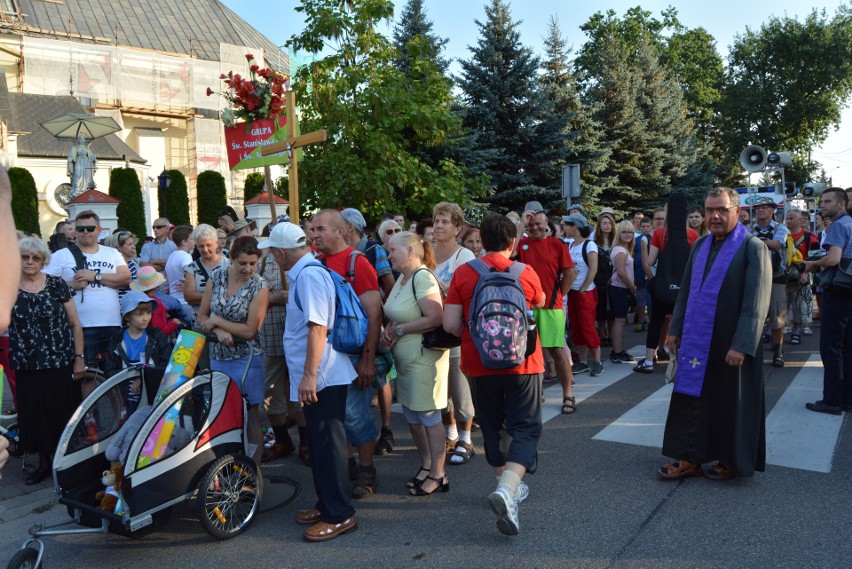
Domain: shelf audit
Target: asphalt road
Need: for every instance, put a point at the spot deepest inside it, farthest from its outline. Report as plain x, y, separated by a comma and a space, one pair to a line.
594, 503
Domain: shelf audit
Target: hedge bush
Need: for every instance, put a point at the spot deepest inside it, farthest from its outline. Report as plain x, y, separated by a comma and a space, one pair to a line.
212, 196
24, 200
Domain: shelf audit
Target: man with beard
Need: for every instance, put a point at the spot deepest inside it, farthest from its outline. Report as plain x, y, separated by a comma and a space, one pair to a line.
717, 410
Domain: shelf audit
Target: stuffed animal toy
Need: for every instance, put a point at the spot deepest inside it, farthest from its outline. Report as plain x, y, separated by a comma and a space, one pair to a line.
110, 495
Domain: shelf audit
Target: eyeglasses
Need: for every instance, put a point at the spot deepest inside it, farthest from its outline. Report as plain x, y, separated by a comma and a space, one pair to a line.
392, 231
160, 226
33, 258
86, 228
720, 210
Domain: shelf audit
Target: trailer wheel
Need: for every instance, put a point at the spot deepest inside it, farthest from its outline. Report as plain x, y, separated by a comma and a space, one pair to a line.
229, 496
24, 559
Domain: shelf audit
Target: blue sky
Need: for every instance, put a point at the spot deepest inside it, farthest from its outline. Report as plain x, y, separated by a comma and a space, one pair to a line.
455, 20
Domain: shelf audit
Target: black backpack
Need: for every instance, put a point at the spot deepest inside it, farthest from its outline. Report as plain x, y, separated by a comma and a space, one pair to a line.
671, 265
605, 267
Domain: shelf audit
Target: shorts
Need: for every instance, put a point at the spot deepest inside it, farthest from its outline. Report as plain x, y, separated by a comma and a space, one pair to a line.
778, 306
551, 327
643, 298
359, 423
425, 418
581, 311
618, 301
277, 384
254, 386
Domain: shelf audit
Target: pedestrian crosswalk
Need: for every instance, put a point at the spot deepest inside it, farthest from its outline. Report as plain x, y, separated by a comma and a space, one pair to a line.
795, 437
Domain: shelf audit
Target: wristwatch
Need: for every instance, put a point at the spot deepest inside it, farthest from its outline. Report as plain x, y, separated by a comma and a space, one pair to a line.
98, 278
399, 331
81, 356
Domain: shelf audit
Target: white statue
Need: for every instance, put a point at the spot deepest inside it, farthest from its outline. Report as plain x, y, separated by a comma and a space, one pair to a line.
81, 167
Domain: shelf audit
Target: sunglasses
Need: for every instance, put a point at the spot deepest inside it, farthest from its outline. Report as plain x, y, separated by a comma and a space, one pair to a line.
392, 231
86, 228
159, 226
33, 258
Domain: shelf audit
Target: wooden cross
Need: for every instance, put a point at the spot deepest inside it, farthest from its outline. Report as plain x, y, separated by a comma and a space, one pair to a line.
290, 144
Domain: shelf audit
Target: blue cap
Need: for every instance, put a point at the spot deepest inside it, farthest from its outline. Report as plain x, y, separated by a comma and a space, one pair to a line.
134, 298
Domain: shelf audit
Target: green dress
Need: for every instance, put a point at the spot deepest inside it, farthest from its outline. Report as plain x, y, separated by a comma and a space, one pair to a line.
421, 373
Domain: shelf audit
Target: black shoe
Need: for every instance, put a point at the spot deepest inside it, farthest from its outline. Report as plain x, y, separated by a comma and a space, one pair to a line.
385, 444
37, 475
767, 338
642, 368
847, 408
662, 356
822, 407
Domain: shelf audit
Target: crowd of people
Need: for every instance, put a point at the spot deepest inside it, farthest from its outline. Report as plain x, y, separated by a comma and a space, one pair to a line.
579, 282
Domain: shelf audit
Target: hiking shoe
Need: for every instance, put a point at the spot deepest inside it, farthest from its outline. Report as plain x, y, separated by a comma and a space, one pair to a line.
523, 493
597, 369
579, 367
506, 507
385, 443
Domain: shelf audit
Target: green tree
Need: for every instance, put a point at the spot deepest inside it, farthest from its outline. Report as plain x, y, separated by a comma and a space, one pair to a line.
584, 144
255, 185
787, 84
124, 186
212, 196
24, 200
176, 199
413, 24
516, 141
374, 113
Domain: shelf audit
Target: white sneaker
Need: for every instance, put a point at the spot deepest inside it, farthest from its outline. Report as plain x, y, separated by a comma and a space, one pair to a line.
787, 329
807, 331
506, 507
523, 493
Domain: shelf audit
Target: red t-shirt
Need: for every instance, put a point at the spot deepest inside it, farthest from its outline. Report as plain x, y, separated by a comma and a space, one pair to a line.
461, 292
548, 257
661, 237
365, 275
805, 243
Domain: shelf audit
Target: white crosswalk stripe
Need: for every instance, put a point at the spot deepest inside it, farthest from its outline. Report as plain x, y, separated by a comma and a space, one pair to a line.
795, 437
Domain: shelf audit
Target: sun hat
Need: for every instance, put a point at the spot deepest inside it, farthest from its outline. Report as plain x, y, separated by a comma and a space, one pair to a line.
576, 219
578, 207
353, 216
147, 278
134, 298
284, 236
763, 200
607, 211
533, 206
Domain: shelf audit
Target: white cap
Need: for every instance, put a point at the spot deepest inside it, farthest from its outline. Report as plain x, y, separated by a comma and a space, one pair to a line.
285, 236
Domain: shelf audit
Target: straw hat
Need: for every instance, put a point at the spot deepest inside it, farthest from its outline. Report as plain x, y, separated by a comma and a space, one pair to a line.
147, 278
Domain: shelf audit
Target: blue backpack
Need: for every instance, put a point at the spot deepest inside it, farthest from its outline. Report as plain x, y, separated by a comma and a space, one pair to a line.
497, 319
349, 330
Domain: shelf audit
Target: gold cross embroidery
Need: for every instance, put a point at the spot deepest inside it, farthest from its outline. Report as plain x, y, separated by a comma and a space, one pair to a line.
694, 362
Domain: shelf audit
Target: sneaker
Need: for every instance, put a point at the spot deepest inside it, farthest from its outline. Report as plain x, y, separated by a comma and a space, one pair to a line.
787, 329
579, 367
597, 369
550, 378
523, 493
795, 339
385, 443
621, 357
506, 507
807, 331
641, 366
662, 356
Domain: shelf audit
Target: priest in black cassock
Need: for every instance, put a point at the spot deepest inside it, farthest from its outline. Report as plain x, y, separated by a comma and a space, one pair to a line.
717, 410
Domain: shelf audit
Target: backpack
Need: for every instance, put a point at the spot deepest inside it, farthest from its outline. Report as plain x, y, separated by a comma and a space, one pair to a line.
79, 264
348, 333
768, 234
604, 273
638, 270
497, 319
671, 264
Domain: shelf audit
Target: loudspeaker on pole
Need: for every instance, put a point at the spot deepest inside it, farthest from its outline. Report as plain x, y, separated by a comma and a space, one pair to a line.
753, 158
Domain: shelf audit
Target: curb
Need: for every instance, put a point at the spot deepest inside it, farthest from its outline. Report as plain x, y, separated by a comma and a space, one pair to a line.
21, 506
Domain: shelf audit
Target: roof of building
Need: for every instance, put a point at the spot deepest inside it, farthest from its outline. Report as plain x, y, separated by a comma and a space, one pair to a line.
93, 196
24, 114
264, 198
191, 27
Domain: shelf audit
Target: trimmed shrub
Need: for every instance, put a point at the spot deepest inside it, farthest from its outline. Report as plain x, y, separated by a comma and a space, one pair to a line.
176, 200
124, 186
24, 200
212, 197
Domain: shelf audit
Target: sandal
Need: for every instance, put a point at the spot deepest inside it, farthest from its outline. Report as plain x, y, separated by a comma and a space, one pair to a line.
795, 339
679, 469
367, 485
569, 405
721, 471
463, 450
415, 482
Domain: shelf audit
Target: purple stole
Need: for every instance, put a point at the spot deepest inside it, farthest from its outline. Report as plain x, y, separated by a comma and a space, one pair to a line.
700, 312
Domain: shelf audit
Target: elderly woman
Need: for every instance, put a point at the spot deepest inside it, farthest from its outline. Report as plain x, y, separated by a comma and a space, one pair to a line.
210, 262
46, 343
386, 230
447, 220
414, 306
125, 242
233, 307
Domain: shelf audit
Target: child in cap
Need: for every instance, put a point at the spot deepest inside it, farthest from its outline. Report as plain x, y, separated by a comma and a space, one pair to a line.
169, 315
138, 342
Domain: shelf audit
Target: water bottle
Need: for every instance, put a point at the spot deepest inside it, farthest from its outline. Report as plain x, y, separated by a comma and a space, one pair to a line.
530, 320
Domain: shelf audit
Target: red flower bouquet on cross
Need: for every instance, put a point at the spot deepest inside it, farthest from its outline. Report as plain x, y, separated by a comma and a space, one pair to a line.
261, 96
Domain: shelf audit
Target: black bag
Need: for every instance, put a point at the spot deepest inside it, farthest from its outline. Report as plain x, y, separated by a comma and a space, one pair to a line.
671, 264
437, 339
604, 272
838, 280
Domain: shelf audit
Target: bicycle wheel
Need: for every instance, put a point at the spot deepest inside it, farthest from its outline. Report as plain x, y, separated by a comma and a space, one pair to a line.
24, 559
229, 495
